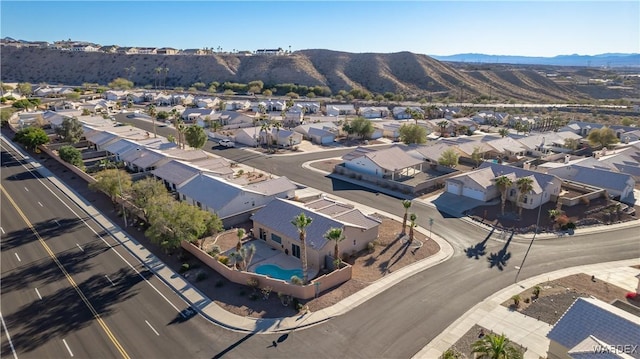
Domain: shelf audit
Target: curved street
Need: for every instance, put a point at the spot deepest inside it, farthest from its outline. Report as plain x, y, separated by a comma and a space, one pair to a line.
398, 322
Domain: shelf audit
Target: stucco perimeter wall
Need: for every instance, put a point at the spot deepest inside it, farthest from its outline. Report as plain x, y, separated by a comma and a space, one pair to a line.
590, 193
78, 172
308, 291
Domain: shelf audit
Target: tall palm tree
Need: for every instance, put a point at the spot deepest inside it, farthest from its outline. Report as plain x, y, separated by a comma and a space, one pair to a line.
216, 126
493, 346
336, 235
301, 222
443, 126
266, 128
412, 218
503, 132
158, 71
152, 112
277, 126
164, 83
525, 185
406, 204
503, 183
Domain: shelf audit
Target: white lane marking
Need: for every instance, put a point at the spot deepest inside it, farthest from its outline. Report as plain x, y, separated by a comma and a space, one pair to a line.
57, 223
40, 204
96, 233
19, 260
79, 247
110, 281
67, 345
38, 293
6, 331
26, 189
2, 230
158, 334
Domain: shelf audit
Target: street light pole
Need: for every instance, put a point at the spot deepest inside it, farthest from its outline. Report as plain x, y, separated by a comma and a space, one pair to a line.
532, 239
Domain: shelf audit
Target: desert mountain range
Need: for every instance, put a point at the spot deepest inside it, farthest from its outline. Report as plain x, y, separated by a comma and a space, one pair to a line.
412, 75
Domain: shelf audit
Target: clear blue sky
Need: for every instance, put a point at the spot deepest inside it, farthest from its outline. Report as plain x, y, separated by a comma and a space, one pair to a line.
527, 28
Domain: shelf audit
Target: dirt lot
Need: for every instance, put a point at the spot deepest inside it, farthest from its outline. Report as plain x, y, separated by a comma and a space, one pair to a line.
558, 295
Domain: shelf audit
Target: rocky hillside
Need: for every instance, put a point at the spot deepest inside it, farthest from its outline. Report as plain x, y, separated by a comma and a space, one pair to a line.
407, 73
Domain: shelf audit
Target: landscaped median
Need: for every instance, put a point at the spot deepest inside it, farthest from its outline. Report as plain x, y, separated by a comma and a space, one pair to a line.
307, 291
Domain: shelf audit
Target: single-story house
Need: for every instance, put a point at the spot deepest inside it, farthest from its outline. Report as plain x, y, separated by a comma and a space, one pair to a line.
283, 138
373, 112
619, 185
591, 328
389, 163
272, 224
340, 109
400, 112
195, 115
480, 184
319, 133
232, 202
143, 159
247, 136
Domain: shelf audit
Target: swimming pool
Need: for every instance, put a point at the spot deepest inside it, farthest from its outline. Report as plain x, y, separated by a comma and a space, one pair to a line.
274, 271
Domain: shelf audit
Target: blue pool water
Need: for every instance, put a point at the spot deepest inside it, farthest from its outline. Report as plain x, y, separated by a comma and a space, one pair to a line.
274, 271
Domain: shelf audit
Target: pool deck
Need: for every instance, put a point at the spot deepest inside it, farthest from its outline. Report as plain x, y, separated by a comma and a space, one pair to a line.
266, 254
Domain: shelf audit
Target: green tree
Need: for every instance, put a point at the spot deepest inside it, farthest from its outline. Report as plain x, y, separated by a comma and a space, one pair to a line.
503, 183
24, 88
113, 182
602, 137
74, 96
413, 133
70, 130
31, 137
195, 136
477, 155
146, 191
525, 186
121, 84
493, 346
336, 235
362, 127
449, 158
503, 132
406, 204
301, 222
71, 155
443, 126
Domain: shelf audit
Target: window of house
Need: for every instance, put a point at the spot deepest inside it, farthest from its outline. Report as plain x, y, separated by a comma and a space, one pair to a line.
512, 192
276, 238
295, 250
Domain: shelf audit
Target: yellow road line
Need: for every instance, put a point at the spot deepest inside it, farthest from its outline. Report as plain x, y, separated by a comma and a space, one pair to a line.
68, 276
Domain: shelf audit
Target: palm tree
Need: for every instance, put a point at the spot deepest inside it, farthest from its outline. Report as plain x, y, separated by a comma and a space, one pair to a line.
266, 128
503, 183
158, 71
215, 126
406, 204
412, 218
525, 185
301, 222
152, 112
443, 126
277, 126
166, 71
503, 132
335, 234
493, 346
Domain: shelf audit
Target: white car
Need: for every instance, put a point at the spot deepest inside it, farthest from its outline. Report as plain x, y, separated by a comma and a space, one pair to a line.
227, 143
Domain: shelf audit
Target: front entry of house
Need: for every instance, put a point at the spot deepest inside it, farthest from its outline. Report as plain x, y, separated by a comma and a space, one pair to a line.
295, 250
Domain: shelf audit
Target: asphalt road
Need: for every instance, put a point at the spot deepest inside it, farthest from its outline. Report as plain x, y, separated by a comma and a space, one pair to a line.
68, 287
401, 320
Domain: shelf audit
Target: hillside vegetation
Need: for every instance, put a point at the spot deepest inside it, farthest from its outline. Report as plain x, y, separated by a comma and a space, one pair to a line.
413, 75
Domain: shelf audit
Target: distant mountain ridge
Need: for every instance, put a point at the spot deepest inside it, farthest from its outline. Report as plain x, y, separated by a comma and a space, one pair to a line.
600, 60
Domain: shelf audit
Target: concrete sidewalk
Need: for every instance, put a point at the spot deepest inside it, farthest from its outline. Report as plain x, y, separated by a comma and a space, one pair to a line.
524, 330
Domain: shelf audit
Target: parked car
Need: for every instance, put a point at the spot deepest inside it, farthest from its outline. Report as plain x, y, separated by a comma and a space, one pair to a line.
227, 143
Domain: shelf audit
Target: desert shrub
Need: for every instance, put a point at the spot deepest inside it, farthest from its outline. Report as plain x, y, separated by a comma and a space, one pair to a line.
571, 225
536, 291
632, 296
585, 201
184, 267
253, 283
266, 291
526, 300
371, 246
296, 280
201, 276
224, 260
562, 220
516, 300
